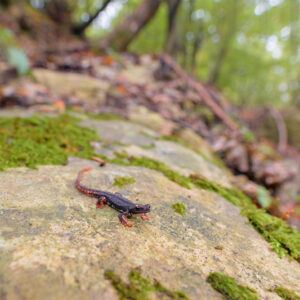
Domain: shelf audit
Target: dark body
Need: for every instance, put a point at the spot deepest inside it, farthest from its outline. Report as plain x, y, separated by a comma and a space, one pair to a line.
116, 201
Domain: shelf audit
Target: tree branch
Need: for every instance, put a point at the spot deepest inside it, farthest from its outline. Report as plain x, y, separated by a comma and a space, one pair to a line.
203, 93
79, 29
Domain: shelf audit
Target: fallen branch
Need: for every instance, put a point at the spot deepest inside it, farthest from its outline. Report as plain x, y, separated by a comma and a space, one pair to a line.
281, 128
201, 89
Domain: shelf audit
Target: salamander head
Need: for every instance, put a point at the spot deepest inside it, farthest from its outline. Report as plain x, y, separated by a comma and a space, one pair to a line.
140, 209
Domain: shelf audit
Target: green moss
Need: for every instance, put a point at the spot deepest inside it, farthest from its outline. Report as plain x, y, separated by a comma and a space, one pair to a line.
282, 238
121, 181
286, 294
179, 208
42, 141
228, 287
124, 158
151, 146
105, 117
139, 287
175, 139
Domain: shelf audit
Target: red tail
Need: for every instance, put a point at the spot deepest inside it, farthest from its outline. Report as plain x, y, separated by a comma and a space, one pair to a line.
85, 170
77, 182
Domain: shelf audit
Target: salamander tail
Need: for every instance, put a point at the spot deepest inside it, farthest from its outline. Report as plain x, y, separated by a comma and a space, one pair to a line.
85, 170
77, 182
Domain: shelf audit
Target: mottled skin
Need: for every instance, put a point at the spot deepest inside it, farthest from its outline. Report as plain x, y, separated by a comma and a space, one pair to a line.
116, 201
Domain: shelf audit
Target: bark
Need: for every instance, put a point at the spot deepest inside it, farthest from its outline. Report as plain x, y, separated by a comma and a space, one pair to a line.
79, 29
196, 46
5, 3
128, 29
184, 43
171, 46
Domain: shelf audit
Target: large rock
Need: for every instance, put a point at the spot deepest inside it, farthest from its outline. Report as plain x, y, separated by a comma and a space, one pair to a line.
55, 244
83, 87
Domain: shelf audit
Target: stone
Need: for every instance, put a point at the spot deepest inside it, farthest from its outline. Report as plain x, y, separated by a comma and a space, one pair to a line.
83, 87
55, 244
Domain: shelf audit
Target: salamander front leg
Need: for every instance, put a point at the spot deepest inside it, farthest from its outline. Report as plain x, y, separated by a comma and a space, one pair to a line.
123, 220
145, 217
101, 201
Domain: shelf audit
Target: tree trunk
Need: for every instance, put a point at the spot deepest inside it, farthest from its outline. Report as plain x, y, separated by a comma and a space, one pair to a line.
199, 38
79, 29
59, 11
128, 29
5, 3
214, 74
183, 43
171, 46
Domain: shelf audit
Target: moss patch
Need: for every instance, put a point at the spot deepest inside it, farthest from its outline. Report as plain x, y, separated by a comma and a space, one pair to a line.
121, 181
124, 159
139, 287
228, 287
179, 208
105, 117
151, 146
282, 238
215, 161
42, 141
286, 294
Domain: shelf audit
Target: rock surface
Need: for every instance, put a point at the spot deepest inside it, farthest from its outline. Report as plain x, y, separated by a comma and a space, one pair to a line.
54, 244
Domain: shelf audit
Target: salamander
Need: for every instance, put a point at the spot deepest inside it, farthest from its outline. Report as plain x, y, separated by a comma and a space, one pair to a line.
114, 200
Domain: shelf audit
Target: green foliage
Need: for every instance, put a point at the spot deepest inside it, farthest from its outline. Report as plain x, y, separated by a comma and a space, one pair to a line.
247, 134
263, 197
139, 287
286, 294
12, 53
253, 44
228, 287
179, 208
121, 181
42, 141
152, 38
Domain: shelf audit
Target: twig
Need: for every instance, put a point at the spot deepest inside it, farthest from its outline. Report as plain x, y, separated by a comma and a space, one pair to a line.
100, 161
281, 128
200, 88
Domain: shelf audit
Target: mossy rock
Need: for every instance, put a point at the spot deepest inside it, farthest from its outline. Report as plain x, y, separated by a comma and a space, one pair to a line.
50, 232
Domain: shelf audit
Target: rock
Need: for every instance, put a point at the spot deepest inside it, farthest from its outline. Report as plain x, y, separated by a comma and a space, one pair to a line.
195, 141
55, 244
140, 141
83, 87
152, 120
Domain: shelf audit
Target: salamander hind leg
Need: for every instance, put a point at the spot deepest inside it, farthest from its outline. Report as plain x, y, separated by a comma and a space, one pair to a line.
100, 203
123, 220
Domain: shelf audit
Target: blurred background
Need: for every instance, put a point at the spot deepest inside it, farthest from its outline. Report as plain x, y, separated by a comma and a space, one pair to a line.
248, 48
